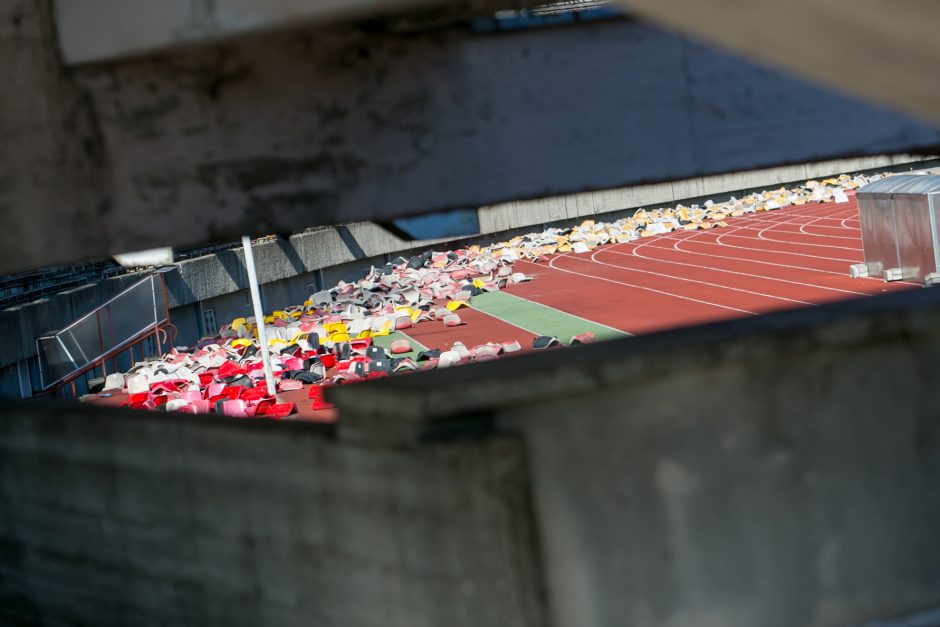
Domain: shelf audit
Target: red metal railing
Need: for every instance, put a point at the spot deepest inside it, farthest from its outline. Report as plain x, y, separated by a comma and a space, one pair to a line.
130, 320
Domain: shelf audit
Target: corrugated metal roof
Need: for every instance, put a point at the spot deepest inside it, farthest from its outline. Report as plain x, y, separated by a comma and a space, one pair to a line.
904, 184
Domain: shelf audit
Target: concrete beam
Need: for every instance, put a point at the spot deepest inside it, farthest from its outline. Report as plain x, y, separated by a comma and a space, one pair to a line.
881, 53
107, 30
279, 132
111, 518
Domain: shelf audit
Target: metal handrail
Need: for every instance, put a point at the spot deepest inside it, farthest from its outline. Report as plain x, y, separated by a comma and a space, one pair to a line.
160, 324
100, 361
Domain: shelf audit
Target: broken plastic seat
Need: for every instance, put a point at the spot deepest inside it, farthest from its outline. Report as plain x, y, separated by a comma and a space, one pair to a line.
582, 338
253, 394
137, 384
287, 385
319, 402
448, 359
431, 353
237, 409
452, 320
485, 351
375, 352
346, 377
275, 410
400, 346
545, 341
114, 381
404, 364
380, 365
403, 322
512, 347
461, 349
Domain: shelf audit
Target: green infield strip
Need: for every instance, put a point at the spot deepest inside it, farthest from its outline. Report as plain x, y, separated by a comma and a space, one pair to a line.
540, 319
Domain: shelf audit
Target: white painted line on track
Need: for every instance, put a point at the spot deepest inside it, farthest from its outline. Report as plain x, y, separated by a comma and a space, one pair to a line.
699, 282
726, 271
552, 265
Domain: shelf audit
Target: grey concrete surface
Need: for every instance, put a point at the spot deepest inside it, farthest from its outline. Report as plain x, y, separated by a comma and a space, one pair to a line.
781, 470
882, 53
113, 518
107, 30
273, 133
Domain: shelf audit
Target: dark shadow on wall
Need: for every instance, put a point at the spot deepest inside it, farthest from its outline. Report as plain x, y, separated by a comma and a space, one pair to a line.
234, 266
179, 291
290, 252
350, 241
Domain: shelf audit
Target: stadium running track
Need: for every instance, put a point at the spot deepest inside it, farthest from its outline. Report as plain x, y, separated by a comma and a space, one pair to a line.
760, 263
793, 257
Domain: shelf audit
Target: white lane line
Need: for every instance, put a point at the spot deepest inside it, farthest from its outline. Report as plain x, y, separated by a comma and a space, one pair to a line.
771, 223
720, 241
641, 287
695, 240
697, 281
636, 253
761, 235
679, 237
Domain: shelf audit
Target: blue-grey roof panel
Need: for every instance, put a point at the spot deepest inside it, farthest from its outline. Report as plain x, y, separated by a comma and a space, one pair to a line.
903, 184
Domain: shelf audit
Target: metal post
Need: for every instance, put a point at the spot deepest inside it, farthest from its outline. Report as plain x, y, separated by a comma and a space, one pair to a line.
259, 314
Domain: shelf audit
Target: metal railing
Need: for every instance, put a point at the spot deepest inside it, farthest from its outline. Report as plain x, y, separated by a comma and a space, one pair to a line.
133, 316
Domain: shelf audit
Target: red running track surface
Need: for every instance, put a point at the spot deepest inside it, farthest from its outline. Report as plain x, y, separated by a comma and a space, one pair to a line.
480, 328
793, 257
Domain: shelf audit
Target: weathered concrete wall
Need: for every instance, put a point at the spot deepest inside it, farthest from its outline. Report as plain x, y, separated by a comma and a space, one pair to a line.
96, 30
52, 158
773, 471
113, 518
274, 133
860, 46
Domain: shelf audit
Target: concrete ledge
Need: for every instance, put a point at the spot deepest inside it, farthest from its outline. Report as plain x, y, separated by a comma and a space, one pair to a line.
773, 471
114, 518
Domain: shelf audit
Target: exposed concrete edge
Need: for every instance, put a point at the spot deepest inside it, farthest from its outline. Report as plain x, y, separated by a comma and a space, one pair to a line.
404, 408
222, 273
926, 618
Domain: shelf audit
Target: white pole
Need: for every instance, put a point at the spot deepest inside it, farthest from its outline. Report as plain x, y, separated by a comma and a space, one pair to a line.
259, 314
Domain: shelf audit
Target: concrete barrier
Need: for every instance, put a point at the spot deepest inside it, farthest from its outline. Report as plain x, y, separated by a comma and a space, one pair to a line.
772, 471
114, 518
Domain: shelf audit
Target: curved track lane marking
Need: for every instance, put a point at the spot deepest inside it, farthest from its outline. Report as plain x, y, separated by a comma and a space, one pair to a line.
766, 226
552, 265
720, 241
694, 239
635, 252
697, 281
